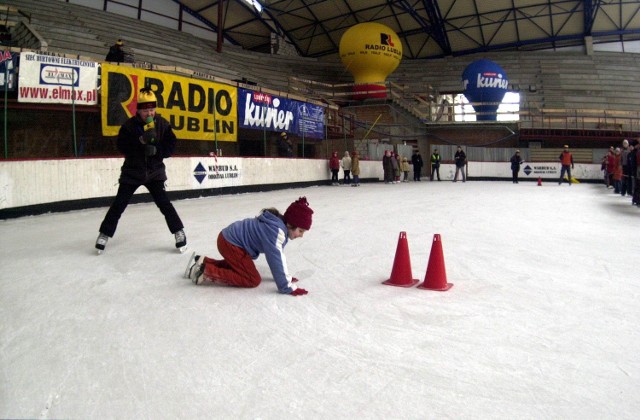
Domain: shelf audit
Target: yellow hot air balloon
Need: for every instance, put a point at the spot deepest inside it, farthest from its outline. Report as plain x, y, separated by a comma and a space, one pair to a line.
371, 52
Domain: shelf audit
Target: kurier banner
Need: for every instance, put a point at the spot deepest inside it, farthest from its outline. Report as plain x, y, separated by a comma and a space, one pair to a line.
192, 106
8, 67
57, 80
262, 111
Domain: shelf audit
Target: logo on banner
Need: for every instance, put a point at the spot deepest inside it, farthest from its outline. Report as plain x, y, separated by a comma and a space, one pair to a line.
59, 75
217, 171
200, 173
261, 110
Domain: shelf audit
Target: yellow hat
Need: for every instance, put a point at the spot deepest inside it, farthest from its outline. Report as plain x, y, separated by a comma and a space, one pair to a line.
120, 42
283, 134
146, 99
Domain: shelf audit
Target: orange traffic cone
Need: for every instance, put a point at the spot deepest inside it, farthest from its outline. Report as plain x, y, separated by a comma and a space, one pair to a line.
436, 277
539, 181
401, 272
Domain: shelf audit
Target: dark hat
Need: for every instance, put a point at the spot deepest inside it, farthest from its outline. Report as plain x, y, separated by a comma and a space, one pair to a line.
146, 99
298, 214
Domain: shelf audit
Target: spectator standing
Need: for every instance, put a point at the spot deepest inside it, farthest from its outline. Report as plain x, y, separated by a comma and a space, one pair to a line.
145, 139
636, 191
516, 161
610, 166
116, 53
396, 167
405, 168
617, 171
285, 148
632, 162
435, 164
387, 167
416, 161
566, 160
243, 241
460, 159
334, 166
625, 185
346, 168
355, 169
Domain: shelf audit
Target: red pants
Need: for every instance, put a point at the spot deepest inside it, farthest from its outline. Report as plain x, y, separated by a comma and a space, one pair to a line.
236, 269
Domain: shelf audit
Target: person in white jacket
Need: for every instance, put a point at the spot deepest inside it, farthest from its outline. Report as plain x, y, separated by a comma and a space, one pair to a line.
346, 167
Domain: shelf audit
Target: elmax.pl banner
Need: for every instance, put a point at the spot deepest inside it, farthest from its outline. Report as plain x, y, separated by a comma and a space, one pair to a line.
57, 80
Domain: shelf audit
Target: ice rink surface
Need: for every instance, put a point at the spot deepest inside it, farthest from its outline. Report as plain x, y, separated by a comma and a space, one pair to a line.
541, 323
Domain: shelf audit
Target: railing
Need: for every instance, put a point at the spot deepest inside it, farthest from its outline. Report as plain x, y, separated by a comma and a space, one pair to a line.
583, 119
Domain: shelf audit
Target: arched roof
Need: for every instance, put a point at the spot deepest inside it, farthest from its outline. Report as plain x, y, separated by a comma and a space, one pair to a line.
427, 28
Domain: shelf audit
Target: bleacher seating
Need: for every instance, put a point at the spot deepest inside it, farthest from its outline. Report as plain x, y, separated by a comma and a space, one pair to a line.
562, 81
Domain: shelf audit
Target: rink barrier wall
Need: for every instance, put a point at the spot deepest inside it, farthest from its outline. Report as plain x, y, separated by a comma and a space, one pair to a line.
30, 187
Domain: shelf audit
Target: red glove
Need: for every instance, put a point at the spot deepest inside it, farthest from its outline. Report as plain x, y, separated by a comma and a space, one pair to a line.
299, 292
294, 280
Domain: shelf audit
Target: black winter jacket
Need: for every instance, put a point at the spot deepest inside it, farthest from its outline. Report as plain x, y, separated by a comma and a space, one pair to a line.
138, 169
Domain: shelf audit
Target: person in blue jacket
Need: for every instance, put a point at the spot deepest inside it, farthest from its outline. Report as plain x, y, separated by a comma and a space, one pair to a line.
243, 241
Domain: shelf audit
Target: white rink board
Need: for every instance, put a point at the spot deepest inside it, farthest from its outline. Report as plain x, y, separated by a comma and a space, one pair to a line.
33, 182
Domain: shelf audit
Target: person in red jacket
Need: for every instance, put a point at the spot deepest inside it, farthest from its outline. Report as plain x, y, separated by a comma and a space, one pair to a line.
566, 159
334, 165
610, 165
617, 171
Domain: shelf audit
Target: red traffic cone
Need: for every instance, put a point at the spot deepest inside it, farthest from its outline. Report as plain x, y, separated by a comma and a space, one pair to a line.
539, 181
436, 277
401, 272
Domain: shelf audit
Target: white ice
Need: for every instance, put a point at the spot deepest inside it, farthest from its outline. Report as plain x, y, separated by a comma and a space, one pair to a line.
541, 323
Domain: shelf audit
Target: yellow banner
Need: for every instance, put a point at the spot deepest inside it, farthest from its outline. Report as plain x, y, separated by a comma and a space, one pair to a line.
193, 107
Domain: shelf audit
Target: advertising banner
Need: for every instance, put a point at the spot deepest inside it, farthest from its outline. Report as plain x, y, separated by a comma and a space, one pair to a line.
196, 109
57, 80
8, 67
262, 111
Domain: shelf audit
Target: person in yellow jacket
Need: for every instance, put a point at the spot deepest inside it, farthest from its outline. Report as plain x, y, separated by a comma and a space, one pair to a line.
404, 167
566, 159
355, 169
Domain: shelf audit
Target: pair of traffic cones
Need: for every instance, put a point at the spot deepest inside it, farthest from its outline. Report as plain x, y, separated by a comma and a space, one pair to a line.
436, 276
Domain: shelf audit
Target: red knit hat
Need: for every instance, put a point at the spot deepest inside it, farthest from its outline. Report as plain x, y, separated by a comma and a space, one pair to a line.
298, 214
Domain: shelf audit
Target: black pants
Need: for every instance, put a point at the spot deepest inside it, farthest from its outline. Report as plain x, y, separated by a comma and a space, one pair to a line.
435, 171
347, 177
514, 175
120, 203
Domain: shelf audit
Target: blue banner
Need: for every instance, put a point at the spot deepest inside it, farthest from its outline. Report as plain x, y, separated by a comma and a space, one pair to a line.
8, 67
262, 111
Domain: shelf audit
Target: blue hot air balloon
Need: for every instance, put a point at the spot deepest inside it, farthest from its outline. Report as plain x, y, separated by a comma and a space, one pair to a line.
486, 83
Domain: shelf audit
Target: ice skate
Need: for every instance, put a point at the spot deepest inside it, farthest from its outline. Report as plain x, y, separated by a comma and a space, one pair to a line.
195, 264
196, 274
181, 241
101, 242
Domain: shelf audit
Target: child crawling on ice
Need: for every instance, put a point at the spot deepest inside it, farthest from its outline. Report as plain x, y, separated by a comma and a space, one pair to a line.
244, 240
